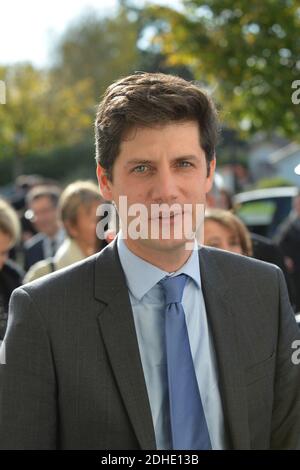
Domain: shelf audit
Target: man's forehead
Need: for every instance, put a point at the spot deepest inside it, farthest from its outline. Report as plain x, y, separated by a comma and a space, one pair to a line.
132, 131
43, 199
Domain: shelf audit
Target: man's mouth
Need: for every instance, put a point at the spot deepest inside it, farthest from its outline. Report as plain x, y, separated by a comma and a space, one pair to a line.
166, 216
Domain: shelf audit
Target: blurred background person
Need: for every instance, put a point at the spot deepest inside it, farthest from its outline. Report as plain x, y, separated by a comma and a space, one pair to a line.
226, 199
288, 240
215, 195
17, 198
225, 231
77, 208
42, 202
22, 186
10, 274
262, 248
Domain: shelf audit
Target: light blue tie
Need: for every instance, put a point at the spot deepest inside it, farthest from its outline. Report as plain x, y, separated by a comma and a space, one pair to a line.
188, 423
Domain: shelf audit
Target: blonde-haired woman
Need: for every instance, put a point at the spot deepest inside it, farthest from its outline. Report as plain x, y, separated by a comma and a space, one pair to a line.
10, 274
224, 230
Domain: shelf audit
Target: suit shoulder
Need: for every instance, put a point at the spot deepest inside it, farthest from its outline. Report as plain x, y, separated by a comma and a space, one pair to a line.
70, 277
34, 241
79, 275
237, 264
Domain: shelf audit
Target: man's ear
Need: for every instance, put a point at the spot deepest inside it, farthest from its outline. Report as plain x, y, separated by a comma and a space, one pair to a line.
105, 184
211, 174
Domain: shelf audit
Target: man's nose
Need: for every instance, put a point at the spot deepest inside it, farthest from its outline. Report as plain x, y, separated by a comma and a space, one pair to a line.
165, 186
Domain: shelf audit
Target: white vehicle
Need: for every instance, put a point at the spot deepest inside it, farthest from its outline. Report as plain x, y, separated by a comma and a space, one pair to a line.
262, 210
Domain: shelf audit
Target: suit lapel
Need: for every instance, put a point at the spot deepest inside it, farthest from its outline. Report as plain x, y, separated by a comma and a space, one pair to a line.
227, 346
119, 336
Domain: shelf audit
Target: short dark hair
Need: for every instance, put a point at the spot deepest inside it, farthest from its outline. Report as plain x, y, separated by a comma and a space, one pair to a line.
147, 99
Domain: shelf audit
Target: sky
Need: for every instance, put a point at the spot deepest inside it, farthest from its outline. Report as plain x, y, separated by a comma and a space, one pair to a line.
29, 28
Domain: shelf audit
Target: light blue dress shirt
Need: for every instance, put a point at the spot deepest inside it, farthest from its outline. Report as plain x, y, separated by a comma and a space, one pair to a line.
148, 307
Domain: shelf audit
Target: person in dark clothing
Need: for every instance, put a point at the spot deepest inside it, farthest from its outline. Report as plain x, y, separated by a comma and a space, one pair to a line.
288, 240
262, 248
266, 250
10, 275
10, 278
42, 203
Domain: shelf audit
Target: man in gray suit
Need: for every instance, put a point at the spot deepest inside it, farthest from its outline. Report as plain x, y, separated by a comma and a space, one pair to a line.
153, 343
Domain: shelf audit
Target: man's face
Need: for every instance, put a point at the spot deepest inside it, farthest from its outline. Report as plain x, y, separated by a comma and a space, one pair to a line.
45, 216
160, 165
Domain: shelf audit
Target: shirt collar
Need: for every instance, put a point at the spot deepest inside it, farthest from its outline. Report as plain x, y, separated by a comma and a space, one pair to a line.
141, 276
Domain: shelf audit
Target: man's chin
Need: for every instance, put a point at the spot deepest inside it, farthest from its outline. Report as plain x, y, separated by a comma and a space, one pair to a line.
163, 244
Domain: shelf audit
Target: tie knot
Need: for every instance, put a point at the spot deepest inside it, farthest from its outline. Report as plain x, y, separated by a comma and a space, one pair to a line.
173, 288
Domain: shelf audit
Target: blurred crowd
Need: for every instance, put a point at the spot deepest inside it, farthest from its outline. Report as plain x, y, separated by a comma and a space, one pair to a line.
44, 227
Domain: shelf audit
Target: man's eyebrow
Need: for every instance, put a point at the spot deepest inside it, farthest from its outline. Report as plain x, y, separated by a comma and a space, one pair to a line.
186, 157
137, 161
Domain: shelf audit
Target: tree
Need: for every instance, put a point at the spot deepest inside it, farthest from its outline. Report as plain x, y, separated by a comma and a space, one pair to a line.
37, 116
248, 53
55, 108
98, 49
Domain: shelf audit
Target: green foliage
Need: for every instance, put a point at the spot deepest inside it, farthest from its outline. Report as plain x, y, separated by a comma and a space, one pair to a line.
247, 52
54, 109
275, 182
38, 116
98, 49
62, 164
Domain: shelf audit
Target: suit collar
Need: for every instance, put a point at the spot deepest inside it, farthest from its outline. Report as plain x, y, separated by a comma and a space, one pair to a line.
109, 277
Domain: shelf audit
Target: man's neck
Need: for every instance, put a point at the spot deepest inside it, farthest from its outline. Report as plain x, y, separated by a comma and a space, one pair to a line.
53, 233
167, 260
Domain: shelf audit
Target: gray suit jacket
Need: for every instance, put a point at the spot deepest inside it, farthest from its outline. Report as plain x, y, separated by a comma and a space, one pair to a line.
73, 377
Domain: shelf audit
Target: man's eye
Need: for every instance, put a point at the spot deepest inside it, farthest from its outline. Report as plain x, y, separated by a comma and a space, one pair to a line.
140, 169
185, 164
